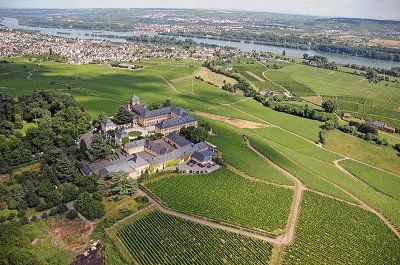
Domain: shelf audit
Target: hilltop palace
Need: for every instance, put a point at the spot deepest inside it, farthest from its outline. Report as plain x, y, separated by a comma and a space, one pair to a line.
171, 151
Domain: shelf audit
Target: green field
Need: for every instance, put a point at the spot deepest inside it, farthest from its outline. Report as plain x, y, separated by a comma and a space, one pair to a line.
157, 238
226, 197
332, 232
352, 93
384, 182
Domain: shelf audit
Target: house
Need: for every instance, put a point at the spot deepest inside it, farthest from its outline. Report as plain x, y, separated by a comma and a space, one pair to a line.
203, 157
121, 137
346, 115
144, 145
135, 167
176, 140
175, 125
377, 124
389, 129
107, 125
267, 92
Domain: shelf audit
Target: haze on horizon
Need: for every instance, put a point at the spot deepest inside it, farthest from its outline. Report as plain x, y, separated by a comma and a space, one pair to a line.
382, 9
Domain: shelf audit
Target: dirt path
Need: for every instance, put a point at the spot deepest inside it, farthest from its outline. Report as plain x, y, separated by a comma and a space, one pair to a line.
298, 194
365, 205
204, 221
233, 121
244, 175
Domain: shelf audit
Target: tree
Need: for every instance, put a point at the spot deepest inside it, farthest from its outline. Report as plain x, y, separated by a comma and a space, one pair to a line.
331, 124
98, 148
118, 185
194, 134
167, 103
89, 207
123, 116
69, 192
71, 214
322, 137
397, 147
284, 53
305, 56
329, 106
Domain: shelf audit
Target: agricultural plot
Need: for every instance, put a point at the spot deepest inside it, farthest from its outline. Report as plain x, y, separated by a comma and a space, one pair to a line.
216, 79
386, 183
332, 232
309, 178
226, 197
354, 147
287, 81
301, 126
388, 206
237, 154
157, 238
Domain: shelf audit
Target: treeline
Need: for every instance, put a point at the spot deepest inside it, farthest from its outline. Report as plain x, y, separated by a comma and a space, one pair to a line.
217, 66
316, 43
363, 131
394, 71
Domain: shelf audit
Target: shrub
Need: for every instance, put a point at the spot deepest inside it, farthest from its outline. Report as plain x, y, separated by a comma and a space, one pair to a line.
2, 219
12, 205
53, 212
11, 216
61, 208
44, 215
34, 218
71, 214
24, 220
89, 207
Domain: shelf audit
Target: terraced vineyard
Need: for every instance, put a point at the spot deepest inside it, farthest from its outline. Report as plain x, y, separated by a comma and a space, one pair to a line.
226, 197
157, 238
331, 232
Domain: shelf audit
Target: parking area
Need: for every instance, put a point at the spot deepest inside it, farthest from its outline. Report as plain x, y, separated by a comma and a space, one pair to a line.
195, 168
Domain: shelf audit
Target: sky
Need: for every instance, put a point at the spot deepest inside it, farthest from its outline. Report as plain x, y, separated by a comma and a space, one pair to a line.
377, 9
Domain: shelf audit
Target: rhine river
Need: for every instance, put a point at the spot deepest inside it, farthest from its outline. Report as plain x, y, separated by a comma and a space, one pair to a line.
12, 23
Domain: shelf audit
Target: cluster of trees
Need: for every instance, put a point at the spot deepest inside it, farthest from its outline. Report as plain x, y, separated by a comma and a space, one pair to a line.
156, 105
319, 61
329, 106
217, 66
56, 119
59, 121
196, 134
305, 112
363, 131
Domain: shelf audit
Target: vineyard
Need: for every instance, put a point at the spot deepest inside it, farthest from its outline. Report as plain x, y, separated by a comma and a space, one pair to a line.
331, 232
157, 238
226, 197
383, 111
241, 157
386, 183
308, 177
286, 80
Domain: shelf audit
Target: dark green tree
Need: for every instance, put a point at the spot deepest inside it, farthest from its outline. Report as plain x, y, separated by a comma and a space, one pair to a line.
329, 106
98, 148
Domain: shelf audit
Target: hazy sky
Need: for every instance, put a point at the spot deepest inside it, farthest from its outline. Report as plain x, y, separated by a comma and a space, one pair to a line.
379, 9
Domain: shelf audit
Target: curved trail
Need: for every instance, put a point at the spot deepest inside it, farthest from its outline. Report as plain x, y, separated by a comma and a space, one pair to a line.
365, 205
204, 221
287, 238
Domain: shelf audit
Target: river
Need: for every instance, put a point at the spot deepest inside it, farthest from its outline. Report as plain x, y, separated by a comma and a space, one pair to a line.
12, 23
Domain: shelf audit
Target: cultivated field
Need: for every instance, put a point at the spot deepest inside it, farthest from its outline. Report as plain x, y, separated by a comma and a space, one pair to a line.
226, 197
157, 238
332, 232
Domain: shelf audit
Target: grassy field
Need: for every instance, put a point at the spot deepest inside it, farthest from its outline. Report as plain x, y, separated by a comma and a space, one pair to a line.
226, 197
375, 155
216, 79
331, 232
157, 238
